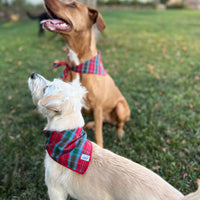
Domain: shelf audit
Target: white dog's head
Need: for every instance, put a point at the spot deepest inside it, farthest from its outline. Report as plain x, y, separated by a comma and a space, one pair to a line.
56, 97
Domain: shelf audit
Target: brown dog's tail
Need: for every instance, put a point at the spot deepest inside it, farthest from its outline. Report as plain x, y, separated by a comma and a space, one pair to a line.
194, 195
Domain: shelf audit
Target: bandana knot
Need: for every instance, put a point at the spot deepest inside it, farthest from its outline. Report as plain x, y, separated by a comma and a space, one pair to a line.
69, 148
93, 66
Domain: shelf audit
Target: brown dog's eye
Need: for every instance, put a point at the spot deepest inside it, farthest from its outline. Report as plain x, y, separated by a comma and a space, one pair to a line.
72, 5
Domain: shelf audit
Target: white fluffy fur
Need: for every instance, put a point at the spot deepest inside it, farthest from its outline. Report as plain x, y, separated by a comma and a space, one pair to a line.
73, 56
109, 176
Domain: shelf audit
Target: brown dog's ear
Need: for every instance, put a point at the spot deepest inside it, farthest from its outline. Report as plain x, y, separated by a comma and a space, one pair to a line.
53, 102
96, 17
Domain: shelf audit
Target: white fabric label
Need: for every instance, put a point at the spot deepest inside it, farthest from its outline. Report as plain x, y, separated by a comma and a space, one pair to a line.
85, 157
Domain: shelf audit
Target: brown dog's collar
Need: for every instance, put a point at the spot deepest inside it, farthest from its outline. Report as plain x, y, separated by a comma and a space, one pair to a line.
93, 66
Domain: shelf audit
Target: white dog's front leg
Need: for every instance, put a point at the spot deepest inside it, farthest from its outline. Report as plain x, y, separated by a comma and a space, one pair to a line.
53, 177
56, 193
55, 188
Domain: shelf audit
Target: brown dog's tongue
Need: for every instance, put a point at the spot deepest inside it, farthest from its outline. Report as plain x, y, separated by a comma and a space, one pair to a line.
55, 24
53, 21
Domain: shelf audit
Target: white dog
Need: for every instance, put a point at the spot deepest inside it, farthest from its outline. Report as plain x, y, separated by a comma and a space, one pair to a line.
97, 173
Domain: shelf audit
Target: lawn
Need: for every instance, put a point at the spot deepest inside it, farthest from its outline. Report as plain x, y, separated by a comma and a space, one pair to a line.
154, 58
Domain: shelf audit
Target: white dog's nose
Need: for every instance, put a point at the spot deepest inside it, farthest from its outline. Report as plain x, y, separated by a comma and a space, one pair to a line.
33, 75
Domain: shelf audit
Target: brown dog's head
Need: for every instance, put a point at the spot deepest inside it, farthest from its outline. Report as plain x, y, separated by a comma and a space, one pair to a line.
71, 17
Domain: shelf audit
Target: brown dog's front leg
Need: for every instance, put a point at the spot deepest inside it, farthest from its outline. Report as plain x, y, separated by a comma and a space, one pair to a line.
123, 115
98, 120
90, 125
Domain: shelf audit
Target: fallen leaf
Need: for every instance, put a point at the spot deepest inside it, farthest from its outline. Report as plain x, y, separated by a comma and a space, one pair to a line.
181, 60
9, 97
157, 77
13, 111
167, 56
164, 50
20, 49
35, 111
164, 149
150, 66
10, 71
119, 44
11, 137
156, 167
152, 49
9, 60
129, 70
113, 49
168, 141
196, 78
3, 122
116, 62
64, 48
184, 48
10, 116
19, 62
183, 142
182, 123
190, 105
178, 53
184, 174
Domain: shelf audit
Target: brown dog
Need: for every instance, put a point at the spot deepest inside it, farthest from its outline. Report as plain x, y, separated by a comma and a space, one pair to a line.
74, 22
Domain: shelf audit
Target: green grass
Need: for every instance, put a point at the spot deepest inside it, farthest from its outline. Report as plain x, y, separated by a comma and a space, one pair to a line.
154, 58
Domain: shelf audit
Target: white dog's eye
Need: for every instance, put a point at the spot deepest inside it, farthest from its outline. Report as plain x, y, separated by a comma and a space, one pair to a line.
45, 89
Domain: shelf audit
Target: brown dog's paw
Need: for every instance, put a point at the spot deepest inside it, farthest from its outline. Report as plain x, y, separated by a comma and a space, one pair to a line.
120, 133
90, 125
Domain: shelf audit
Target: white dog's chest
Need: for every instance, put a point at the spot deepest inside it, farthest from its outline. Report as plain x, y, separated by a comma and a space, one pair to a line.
57, 176
65, 180
54, 170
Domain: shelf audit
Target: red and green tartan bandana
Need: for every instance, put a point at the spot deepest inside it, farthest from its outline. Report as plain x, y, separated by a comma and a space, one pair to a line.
93, 66
69, 148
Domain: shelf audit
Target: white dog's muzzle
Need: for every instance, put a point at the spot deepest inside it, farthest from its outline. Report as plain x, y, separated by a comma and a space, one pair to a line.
37, 84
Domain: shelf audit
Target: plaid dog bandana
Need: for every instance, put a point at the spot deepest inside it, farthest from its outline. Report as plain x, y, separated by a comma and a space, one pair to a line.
93, 66
69, 148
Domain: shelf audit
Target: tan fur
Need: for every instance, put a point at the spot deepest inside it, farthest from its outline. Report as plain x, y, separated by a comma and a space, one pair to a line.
109, 176
194, 195
104, 99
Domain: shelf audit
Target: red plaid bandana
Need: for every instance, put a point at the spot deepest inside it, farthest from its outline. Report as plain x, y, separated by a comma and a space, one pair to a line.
69, 148
93, 66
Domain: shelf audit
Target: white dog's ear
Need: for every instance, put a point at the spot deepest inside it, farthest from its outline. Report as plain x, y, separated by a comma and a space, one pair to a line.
52, 102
